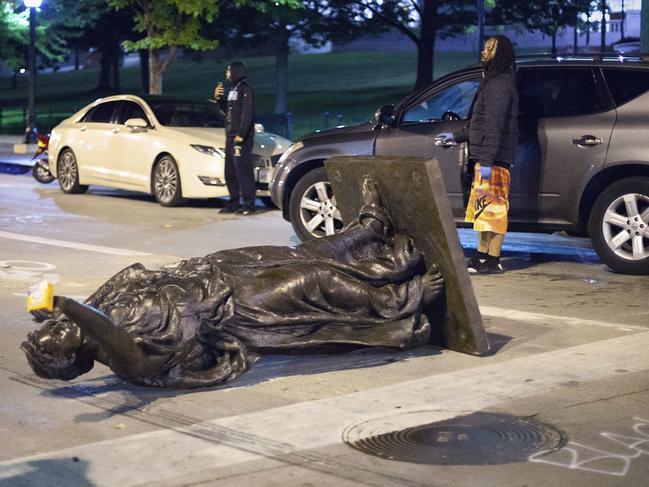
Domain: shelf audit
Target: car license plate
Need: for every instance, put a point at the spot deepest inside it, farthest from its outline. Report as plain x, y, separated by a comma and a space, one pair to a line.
265, 174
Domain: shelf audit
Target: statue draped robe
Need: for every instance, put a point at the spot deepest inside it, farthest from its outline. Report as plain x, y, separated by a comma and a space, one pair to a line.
213, 315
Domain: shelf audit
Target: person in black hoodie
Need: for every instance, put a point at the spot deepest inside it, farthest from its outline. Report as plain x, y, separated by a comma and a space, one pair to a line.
492, 133
240, 133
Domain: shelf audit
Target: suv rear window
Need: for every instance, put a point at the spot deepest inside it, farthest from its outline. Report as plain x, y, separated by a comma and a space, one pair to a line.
558, 93
626, 84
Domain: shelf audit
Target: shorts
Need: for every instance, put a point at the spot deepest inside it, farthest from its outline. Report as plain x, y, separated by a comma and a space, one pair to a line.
489, 201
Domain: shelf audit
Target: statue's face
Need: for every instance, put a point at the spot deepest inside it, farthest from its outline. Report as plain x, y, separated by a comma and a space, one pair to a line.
54, 351
489, 50
57, 338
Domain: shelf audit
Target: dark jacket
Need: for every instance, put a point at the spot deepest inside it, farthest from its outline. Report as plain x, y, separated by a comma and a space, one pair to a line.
492, 131
240, 108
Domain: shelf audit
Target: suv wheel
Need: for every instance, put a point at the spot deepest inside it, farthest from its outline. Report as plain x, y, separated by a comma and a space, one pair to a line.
619, 226
312, 207
166, 182
67, 172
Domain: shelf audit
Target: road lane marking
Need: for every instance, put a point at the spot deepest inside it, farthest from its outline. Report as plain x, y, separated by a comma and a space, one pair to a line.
72, 245
294, 434
529, 317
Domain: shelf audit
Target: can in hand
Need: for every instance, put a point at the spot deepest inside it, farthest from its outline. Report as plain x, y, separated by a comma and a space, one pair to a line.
40, 297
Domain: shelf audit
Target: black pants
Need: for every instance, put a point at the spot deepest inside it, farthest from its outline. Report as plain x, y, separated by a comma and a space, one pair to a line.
239, 174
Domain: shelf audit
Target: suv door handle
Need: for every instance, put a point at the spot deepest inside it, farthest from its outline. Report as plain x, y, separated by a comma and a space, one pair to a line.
588, 141
439, 142
115, 130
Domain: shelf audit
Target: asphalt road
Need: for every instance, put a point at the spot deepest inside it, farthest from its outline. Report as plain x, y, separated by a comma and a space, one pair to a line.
570, 342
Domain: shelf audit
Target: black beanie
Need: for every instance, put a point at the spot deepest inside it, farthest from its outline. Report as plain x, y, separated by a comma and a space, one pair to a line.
238, 71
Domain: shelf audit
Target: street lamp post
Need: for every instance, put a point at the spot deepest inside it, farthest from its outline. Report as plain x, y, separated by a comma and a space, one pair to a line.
31, 130
481, 18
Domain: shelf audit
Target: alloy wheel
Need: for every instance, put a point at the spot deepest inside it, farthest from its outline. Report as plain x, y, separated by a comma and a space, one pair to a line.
318, 211
166, 181
67, 171
625, 226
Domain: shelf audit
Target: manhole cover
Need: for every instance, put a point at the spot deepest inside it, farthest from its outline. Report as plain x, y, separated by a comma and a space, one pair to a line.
474, 439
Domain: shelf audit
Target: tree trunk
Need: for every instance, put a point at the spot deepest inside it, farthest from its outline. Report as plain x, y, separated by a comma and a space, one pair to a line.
109, 50
157, 67
644, 26
281, 67
144, 69
554, 44
115, 72
602, 26
426, 44
155, 74
622, 21
76, 59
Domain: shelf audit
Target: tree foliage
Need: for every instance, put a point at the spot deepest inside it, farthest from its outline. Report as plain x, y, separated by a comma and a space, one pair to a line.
422, 21
272, 25
173, 24
546, 16
57, 22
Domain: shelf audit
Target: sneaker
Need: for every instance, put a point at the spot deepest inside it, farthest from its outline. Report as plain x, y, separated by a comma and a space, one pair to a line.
245, 211
476, 266
229, 209
494, 268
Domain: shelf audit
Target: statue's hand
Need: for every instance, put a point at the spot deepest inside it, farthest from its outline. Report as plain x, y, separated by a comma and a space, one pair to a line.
433, 283
370, 193
41, 315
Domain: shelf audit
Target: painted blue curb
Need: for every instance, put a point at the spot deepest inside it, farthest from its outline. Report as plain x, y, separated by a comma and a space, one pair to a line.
11, 168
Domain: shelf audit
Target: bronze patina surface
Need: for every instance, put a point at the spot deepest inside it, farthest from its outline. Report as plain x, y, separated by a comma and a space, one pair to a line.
413, 194
204, 321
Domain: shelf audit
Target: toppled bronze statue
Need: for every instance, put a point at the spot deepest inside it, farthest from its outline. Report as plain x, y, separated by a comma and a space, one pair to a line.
204, 321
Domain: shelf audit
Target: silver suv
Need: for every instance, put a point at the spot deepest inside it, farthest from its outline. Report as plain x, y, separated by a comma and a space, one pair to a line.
582, 163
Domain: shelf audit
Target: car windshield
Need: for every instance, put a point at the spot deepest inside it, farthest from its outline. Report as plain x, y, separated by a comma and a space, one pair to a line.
181, 113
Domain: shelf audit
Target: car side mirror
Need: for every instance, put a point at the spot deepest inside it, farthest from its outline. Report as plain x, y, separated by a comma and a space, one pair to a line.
137, 124
384, 116
450, 117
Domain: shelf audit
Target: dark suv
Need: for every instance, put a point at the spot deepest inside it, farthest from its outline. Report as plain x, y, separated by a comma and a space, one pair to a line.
582, 163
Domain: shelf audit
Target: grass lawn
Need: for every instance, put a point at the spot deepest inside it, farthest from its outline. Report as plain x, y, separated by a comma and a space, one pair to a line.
350, 84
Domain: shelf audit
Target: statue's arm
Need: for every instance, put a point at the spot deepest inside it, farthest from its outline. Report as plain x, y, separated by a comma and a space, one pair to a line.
121, 349
232, 359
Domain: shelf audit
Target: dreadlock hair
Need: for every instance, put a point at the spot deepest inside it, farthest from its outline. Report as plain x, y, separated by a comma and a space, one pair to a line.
503, 60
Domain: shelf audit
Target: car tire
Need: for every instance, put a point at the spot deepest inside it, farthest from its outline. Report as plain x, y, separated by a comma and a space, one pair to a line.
166, 182
312, 208
67, 172
41, 174
619, 226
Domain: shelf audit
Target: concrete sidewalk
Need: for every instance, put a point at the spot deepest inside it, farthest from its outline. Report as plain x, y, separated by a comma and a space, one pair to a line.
569, 342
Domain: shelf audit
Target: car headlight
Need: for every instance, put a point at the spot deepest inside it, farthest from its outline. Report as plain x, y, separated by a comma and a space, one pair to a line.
295, 147
209, 150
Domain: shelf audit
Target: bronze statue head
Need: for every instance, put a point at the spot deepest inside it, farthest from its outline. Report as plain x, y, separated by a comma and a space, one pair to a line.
58, 351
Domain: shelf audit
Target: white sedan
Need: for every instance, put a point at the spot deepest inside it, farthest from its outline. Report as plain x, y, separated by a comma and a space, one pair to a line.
170, 147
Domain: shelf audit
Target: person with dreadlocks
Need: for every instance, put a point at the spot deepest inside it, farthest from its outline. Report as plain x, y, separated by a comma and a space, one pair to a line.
492, 134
